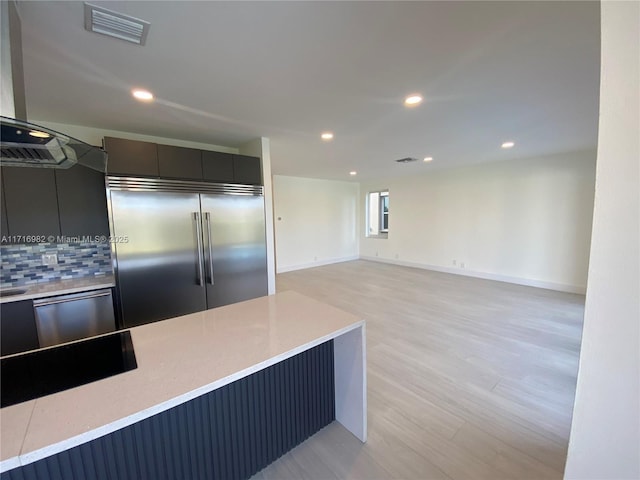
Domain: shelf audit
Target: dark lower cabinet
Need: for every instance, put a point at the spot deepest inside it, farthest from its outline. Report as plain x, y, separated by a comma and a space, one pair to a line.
31, 202
4, 226
18, 331
82, 202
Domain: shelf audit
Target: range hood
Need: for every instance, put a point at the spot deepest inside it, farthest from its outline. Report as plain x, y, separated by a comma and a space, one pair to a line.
23, 144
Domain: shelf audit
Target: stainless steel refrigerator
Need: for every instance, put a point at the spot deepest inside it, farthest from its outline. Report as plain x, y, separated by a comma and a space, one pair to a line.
181, 247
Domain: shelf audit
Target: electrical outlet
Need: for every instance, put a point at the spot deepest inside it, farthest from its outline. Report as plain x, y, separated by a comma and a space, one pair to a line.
397, 256
315, 259
461, 264
454, 262
376, 254
50, 259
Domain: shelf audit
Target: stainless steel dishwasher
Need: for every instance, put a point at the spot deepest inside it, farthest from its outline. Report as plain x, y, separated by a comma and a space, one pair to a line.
74, 316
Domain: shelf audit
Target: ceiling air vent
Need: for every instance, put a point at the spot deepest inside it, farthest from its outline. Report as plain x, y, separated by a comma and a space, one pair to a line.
407, 160
114, 24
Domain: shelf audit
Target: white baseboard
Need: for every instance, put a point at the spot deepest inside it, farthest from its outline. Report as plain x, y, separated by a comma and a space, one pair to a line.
560, 287
319, 263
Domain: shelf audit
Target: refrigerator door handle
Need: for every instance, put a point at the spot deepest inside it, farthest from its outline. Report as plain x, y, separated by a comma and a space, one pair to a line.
207, 218
199, 272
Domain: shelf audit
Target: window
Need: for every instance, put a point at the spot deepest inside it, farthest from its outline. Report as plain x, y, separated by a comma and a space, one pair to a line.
378, 214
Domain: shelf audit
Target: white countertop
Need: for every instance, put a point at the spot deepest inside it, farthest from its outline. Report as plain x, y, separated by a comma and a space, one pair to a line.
59, 287
178, 359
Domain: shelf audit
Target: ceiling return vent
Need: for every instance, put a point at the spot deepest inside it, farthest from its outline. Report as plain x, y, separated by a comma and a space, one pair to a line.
406, 160
114, 24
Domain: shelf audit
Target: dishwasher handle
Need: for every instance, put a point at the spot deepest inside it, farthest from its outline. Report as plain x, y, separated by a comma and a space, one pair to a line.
45, 302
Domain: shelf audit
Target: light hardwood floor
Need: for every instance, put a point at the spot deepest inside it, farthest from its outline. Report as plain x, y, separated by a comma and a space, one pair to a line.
467, 378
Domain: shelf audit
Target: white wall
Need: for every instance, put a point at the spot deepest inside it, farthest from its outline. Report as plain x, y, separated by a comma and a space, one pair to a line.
526, 221
605, 433
315, 222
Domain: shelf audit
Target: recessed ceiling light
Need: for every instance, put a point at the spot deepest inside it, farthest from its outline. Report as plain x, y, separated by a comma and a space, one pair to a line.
427, 159
413, 100
508, 144
143, 95
39, 134
327, 136
353, 172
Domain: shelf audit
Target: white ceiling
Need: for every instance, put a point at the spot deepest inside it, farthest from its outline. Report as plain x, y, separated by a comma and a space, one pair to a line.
227, 72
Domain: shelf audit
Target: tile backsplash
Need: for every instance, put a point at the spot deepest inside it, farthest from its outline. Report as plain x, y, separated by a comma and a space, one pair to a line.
23, 265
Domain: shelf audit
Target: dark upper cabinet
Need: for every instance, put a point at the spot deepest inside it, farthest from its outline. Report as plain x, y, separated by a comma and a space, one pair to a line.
179, 162
4, 227
135, 158
31, 201
131, 157
82, 202
18, 332
217, 167
247, 170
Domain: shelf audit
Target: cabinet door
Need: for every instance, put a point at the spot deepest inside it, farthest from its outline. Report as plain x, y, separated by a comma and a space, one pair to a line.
18, 331
82, 202
246, 170
131, 157
217, 167
4, 226
179, 162
31, 201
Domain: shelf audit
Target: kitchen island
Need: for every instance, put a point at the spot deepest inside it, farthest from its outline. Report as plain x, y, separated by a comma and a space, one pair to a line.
285, 358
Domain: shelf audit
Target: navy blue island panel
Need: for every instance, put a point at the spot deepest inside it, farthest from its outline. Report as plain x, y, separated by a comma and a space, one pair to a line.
230, 433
